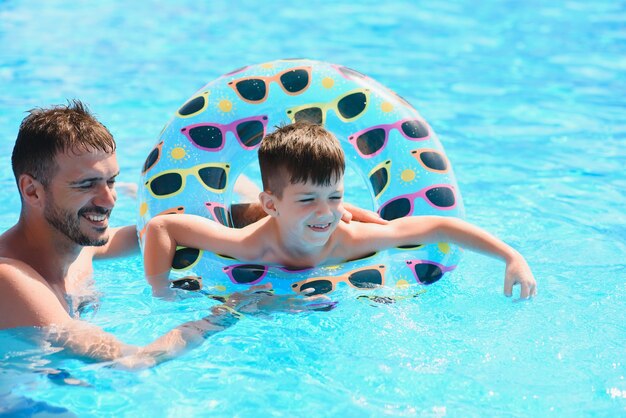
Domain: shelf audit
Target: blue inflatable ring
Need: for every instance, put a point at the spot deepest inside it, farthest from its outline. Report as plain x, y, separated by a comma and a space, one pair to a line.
392, 154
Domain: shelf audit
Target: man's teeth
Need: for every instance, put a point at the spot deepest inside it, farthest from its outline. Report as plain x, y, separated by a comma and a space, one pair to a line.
96, 218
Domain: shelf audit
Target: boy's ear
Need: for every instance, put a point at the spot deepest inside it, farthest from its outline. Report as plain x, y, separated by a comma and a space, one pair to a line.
32, 190
268, 203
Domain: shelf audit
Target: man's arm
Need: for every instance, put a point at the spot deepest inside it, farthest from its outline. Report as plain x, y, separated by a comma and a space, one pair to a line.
122, 241
432, 229
88, 340
26, 301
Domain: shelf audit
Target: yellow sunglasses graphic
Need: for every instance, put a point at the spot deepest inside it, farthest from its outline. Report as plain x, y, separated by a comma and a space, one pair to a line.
186, 258
380, 178
194, 106
348, 107
213, 176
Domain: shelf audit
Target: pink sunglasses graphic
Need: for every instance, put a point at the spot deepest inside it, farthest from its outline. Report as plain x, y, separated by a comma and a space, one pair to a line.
212, 136
439, 196
427, 272
253, 273
371, 141
220, 213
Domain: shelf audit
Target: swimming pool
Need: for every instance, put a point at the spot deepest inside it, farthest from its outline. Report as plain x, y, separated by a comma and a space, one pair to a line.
526, 98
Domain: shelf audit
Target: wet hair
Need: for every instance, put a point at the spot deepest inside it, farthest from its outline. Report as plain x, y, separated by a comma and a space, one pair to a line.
44, 133
298, 153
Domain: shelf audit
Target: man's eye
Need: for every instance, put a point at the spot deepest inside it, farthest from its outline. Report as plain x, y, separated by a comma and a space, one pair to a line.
85, 185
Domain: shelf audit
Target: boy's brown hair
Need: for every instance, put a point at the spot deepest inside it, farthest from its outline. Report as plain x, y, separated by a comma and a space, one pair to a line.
299, 153
59, 129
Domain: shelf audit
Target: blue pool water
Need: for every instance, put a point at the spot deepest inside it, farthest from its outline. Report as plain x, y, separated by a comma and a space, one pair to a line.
528, 100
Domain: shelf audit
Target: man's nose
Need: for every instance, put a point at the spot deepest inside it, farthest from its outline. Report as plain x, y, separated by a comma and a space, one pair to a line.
106, 196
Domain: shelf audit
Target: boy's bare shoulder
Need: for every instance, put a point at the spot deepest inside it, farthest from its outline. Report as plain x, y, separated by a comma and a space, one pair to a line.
360, 230
254, 241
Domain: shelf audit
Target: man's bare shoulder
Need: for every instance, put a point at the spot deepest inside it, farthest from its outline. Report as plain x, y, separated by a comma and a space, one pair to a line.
25, 297
12, 269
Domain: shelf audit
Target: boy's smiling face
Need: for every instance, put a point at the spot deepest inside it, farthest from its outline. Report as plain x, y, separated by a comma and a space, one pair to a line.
308, 213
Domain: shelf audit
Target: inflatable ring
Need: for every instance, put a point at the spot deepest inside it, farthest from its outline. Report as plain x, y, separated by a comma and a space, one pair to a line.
393, 160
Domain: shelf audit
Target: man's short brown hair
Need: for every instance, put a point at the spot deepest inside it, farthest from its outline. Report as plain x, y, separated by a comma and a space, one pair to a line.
59, 129
299, 153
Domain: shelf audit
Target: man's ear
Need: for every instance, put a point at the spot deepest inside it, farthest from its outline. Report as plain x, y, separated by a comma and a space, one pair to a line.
268, 203
32, 190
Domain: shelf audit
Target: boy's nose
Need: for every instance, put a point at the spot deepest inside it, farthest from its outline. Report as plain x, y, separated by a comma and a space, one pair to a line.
323, 209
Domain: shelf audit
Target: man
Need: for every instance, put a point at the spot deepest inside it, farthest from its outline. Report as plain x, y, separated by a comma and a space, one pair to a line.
65, 167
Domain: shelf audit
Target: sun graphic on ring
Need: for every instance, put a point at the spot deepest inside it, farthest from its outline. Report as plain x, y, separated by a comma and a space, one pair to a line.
332, 268
224, 105
402, 282
328, 82
386, 107
408, 175
179, 153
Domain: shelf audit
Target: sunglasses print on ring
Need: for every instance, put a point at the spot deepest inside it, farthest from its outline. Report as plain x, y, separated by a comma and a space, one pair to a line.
253, 273
431, 160
212, 176
371, 141
255, 89
379, 178
364, 278
348, 107
212, 136
439, 196
427, 272
186, 258
153, 158
220, 213
194, 106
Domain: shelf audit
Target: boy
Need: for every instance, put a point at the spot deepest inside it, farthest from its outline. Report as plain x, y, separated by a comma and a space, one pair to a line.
302, 167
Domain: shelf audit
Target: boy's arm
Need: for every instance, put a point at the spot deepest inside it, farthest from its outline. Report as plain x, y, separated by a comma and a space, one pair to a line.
165, 233
432, 229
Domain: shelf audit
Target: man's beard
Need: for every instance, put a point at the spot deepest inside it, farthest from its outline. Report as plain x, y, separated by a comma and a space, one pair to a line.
69, 225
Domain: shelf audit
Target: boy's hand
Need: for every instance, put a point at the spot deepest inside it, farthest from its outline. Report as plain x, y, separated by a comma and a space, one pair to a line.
518, 272
354, 213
